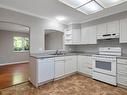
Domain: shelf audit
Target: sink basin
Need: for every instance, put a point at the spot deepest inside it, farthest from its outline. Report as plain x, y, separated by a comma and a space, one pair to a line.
58, 54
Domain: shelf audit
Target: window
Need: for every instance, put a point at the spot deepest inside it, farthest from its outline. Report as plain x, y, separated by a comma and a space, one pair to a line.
21, 43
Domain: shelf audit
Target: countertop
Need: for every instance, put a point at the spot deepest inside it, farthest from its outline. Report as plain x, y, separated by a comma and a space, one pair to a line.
122, 57
46, 55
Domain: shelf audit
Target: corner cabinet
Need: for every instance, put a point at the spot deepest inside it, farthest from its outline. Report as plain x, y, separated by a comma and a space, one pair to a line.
70, 64
85, 65
88, 35
72, 36
123, 31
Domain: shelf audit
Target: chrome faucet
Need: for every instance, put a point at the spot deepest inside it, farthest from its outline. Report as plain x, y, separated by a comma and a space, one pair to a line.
57, 51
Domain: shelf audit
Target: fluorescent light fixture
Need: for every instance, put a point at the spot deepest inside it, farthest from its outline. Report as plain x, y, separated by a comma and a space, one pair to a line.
74, 3
90, 8
110, 3
60, 18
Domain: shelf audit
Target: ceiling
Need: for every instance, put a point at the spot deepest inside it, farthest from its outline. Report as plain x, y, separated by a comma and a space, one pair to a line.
50, 9
13, 27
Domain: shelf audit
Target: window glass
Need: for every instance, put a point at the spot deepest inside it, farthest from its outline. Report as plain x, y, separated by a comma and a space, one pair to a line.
21, 43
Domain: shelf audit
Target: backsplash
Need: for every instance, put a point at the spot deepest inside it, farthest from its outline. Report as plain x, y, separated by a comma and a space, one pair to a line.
101, 43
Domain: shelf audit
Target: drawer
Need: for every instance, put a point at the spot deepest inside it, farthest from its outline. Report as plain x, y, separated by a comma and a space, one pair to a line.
123, 61
59, 58
121, 79
121, 68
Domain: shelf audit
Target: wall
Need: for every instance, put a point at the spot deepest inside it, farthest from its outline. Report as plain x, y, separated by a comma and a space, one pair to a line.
37, 27
6, 48
102, 43
54, 40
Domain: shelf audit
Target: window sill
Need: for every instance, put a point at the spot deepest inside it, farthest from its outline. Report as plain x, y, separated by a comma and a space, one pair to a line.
21, 51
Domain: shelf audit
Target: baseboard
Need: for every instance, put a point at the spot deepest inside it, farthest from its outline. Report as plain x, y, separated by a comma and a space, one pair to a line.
12, 63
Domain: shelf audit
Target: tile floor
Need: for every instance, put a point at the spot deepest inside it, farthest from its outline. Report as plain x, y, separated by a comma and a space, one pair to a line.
73, 85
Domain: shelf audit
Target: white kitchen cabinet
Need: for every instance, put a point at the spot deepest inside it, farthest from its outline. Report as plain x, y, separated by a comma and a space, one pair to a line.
76, 35
101, 29
92, 35
70, 64
59, 67
72, 36
108, 28
85, 64
122, 72
84, 36
113, 27
45, 69
123, 31
88, 35
41, 70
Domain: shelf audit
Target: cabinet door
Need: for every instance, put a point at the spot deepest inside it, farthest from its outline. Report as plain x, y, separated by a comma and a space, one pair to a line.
76, 35
113, 27
84, 35
59, 68
102, 29
70, 64
84, 64
123, 31
92, 35
45, 69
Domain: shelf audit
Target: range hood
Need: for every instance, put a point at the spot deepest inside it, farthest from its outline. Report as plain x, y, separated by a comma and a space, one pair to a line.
108, 36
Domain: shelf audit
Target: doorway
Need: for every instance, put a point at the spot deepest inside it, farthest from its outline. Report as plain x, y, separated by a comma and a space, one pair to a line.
14, 53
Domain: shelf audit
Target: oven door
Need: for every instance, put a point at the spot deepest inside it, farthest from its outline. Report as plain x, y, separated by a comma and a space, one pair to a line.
105, 65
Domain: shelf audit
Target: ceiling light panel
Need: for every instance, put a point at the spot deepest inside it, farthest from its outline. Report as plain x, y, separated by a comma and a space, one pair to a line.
110, 3
74, 3
60, 18
90, 8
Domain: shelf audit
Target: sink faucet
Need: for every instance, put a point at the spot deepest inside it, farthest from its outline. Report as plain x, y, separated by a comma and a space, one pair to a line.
57, 51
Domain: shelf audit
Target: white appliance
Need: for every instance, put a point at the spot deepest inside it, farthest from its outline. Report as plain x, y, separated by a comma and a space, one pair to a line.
104, 64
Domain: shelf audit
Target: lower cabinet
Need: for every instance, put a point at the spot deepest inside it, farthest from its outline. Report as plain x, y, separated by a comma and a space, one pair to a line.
70, 64
41, 70
122, 72
85, 64
59, 67
45, 69
65, 65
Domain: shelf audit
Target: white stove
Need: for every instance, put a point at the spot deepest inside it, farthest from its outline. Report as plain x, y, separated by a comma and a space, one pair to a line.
104, 64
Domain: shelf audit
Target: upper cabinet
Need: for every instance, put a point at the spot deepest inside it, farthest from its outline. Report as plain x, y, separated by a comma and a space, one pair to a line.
76, 35
123, 31
113, 27
102, 29
88, 35
72, 36
108, 30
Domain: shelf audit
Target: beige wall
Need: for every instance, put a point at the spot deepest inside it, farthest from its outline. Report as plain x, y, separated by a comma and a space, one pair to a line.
7, 55
37, 27
54, 40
